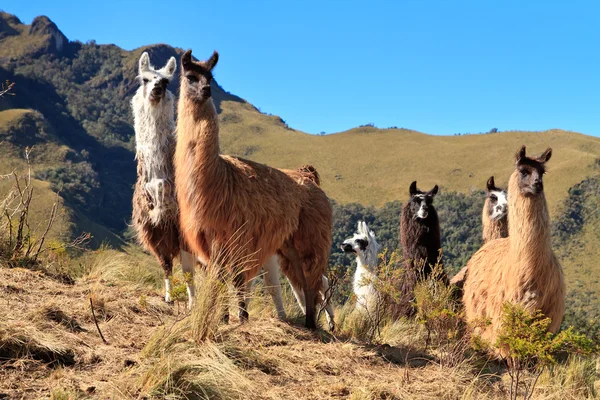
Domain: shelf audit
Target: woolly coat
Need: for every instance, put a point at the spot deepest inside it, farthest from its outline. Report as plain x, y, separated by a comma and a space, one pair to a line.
521, 268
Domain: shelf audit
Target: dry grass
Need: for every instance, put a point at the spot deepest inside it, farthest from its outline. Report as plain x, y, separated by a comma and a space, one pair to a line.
154, 352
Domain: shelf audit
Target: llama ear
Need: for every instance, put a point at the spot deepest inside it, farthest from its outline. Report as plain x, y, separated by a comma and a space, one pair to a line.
434, 191
144, 62
545, 155
521, 154
491, 185
413, 188
186, 59
212, 61
171, 66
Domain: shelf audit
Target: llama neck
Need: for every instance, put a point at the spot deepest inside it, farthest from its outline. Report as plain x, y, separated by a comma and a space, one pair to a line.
198, 130
493, 229
528, 226
154, 136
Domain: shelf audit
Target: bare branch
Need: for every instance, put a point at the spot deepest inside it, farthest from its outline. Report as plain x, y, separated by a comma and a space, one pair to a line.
6, 88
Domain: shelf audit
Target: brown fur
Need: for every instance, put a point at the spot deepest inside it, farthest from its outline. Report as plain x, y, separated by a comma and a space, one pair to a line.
266, 210
521, 268
493, 229
162, 239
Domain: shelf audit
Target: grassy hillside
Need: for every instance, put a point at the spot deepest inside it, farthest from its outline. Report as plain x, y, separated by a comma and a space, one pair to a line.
374, 166
50, 347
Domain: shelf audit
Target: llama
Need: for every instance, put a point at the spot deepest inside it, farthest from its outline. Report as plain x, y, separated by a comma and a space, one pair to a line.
155, 215
420, 232
225, 201
366, 248
494, 221
521, 268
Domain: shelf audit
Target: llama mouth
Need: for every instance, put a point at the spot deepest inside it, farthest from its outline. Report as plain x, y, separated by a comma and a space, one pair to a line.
347, 248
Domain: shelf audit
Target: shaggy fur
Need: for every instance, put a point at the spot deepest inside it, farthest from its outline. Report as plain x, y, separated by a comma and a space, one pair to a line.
366, 249
494, 218
521, 268
494, 221
228, 201
155, 217
420, 231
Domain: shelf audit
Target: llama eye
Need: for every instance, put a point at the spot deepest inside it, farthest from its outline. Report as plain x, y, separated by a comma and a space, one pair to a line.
146, 80
493, 197
192, 78
524, 172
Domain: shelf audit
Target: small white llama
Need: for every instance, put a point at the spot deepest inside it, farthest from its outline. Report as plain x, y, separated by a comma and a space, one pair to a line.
366, 248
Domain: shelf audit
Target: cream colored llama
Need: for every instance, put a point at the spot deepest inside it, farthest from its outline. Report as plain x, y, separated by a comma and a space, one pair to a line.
155, 216
227, 201
494, 222
521, 268
366, 249
494, 218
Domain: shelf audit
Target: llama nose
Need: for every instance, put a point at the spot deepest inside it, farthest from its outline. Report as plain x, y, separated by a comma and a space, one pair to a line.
206, 92
163, 83
347, 248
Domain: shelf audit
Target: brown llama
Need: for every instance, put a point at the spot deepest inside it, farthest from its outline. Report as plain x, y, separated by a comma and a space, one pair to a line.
420, 240
420, 237
521, 268
155, 215
494, 222
263, 210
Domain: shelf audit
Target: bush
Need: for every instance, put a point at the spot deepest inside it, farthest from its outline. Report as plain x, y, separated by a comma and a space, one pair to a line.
528, 348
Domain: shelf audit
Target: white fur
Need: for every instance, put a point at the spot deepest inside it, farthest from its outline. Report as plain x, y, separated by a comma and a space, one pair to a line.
366, 260
154, 126
273, 285
501, 207
168, 290
188, 262
422, 213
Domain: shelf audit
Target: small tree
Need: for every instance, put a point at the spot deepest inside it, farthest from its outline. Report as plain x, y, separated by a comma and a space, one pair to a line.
528, 348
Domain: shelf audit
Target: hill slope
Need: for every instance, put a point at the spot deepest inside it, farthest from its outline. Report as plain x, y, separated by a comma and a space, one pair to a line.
83, 91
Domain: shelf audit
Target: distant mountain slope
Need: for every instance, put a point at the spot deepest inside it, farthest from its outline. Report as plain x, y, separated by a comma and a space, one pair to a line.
84, 137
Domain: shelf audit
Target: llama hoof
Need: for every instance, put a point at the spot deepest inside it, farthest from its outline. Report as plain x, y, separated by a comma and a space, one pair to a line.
243, 316
226, 319
331, 326
282, 316
310, 324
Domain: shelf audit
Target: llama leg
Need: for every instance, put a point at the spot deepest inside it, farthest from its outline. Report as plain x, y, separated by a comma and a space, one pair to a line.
291, 254
243, 290
188, 262
299, 295
273, 285
167, 265
325, 296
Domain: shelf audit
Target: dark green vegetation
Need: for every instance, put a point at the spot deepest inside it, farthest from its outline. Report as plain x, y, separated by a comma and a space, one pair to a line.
71, 104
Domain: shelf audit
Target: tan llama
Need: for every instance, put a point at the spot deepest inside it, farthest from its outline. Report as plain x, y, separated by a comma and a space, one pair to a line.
521, 268
227, 201
494, 222
494, 218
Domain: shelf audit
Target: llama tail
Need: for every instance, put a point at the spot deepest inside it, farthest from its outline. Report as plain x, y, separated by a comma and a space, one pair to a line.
311, 173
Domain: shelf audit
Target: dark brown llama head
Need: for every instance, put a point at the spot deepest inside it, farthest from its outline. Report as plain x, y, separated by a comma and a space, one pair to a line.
496, 202
531, 172
196, 76
421, 202
155, 81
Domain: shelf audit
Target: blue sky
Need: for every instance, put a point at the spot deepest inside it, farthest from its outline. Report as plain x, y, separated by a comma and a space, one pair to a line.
438, 66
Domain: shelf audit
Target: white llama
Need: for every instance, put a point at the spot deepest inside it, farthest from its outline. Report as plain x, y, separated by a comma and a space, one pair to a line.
155, 212
366, 248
